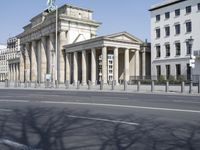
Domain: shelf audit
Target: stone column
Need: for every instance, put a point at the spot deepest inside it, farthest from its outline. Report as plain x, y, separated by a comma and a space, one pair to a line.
11, 73
75, 67
116, 66
27, 62
93, 66
21, 73
137, 63
52, 53
13, 66
126, 65
61, 58
43, 59
143, 63
68, 71
14, 72
33, 61
17, 71
84, 71
104, 65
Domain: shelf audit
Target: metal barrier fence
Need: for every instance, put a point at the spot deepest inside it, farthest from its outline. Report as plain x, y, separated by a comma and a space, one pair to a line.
151, 86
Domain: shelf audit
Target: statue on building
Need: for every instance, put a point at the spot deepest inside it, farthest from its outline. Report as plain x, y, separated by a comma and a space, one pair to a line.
51, 5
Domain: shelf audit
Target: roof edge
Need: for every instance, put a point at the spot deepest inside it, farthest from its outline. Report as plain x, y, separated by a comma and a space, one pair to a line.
165, 5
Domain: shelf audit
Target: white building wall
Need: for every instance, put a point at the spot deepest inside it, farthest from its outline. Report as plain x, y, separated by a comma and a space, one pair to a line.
183, 59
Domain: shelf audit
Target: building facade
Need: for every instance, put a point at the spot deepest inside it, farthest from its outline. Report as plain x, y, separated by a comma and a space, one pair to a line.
173, 22
38, 41
3, 63
10, 70
80, 55
116, 57
13, 50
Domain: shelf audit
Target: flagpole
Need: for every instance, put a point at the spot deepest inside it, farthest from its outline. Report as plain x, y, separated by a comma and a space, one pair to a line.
56, 44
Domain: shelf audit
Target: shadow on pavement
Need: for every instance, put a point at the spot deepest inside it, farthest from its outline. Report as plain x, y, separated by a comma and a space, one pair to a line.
53, 129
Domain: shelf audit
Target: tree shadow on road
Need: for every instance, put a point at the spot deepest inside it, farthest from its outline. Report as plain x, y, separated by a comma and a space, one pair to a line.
54, 129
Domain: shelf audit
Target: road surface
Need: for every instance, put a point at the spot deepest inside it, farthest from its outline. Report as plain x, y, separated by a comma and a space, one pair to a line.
66, 120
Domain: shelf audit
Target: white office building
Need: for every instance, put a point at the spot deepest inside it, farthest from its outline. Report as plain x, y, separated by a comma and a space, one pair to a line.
2, 62
173, 22
9, 59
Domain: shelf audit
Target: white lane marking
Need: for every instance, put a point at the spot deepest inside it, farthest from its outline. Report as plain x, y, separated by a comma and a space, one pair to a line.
108, 105
15, 101
13, 144
6, 110
188, 102
123, 106
104, 120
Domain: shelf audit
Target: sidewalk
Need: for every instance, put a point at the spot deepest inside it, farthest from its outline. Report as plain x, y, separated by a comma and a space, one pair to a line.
145, 89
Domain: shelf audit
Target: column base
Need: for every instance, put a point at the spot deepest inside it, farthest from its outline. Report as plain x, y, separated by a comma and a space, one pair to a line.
83, 83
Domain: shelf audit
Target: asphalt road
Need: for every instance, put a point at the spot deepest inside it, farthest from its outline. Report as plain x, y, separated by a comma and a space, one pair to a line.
66, 120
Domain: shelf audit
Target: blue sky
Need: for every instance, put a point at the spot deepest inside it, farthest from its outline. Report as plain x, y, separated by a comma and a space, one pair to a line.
116, 15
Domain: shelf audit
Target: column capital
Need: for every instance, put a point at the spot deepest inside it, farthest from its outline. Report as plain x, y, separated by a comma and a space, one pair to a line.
52, 34
33, 43
27, 44
115, 47
43, 38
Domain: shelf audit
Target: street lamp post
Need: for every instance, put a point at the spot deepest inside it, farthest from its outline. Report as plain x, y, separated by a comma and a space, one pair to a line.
189, 43
52, 7
56, 52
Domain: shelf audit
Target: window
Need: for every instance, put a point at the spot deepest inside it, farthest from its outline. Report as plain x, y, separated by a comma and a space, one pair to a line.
188, 27
188, 46
188, 9
178, 48
177, 29
177, 12
158, 68
178, 70
167, 71
157, 33
167, 48
198, 6
167, 31
158, 51
157, 17
167, 15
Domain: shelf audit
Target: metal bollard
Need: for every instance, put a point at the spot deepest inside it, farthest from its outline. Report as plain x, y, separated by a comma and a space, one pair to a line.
47, 83
35, 85
15, 83
78, 85
89, 84
199, 87
167, 86
101, 85
125, 85
29, 84
19, 83
152, 86
67, 84
6, 83
190, 87
182, 87
25, 84
56, 84
113, 84
138, 86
